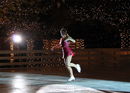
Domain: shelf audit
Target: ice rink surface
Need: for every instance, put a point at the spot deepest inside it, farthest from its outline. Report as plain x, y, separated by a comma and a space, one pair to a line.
12, 82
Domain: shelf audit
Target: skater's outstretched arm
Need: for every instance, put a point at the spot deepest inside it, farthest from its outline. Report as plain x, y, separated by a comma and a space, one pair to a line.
70, 39
57, 46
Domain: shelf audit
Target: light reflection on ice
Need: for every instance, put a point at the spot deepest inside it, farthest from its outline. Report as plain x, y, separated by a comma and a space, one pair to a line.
19, 84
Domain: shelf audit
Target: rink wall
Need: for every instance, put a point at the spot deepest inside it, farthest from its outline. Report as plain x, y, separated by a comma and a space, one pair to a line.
105, 57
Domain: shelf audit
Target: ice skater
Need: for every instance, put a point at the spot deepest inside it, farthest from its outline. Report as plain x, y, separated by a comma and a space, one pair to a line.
67, 53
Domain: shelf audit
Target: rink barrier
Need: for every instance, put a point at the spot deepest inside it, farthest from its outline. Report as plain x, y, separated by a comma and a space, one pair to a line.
105, 57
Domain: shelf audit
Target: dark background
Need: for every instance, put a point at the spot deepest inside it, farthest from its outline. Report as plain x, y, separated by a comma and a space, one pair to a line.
98, 22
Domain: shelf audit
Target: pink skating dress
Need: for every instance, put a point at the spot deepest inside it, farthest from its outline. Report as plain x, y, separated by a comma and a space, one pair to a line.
66, 49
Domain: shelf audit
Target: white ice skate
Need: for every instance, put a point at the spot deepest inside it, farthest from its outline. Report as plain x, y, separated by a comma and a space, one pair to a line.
78, 68
72, 78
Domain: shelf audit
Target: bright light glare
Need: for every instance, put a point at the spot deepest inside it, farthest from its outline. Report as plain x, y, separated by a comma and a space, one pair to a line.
16, 38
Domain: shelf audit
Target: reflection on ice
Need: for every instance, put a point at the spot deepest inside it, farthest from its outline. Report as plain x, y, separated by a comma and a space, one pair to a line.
66, 88
19, 84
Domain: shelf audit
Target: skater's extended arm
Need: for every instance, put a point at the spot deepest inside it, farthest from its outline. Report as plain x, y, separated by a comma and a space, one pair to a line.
70, 39
57, 46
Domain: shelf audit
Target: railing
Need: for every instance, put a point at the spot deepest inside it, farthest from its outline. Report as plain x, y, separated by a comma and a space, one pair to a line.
112, 57
29, 58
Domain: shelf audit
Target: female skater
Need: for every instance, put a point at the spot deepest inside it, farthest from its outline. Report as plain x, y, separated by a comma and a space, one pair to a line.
67, 53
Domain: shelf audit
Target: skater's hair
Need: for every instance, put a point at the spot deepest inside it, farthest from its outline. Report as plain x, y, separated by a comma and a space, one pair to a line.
64, 32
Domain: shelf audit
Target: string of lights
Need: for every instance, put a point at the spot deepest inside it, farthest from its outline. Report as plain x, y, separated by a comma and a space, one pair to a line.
44, 18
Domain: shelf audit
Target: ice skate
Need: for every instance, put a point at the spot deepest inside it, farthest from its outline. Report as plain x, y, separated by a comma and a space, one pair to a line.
78, 68
72, 78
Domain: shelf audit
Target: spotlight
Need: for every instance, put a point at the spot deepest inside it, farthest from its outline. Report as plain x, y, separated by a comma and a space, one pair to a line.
17, 38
